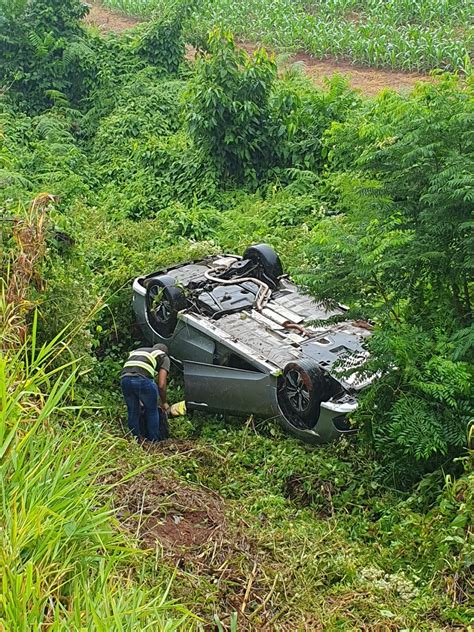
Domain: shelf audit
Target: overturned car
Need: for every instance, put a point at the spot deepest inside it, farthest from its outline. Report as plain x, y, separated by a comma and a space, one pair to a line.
249, 342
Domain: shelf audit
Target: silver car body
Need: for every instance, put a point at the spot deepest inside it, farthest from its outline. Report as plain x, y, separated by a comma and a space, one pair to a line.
260, 345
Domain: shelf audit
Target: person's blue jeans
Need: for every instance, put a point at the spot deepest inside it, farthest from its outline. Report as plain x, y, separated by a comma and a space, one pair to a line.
138, 389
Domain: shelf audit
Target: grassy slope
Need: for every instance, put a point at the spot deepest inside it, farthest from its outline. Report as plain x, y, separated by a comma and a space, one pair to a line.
308, 535
333, 548
295, 538
400, 35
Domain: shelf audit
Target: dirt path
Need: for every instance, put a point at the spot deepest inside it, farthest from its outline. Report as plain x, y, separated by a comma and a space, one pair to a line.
107, 20
369, 80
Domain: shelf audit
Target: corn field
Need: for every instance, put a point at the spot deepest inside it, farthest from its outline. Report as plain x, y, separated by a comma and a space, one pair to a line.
399, 34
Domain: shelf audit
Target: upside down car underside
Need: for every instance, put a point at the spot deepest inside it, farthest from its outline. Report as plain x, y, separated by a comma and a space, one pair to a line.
286, 328
251, 341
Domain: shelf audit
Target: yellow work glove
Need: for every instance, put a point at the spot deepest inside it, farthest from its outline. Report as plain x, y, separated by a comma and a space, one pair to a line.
178, 409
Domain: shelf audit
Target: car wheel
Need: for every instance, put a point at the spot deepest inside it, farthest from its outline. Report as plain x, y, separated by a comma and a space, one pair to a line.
303, 386
164, 299
267, 259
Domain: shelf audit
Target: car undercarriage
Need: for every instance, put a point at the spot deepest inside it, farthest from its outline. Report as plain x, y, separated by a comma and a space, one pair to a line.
227, 314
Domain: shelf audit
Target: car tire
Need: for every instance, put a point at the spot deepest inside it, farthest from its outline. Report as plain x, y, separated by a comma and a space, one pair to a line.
267, 259
303, 386
164, 299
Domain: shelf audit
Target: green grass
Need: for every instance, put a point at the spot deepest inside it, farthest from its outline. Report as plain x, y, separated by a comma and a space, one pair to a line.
323, 542
63, 563
399, 35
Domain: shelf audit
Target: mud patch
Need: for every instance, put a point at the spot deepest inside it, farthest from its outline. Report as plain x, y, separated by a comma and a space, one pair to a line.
158, 510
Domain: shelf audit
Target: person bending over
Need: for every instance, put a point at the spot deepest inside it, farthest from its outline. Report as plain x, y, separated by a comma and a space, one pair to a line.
137, 380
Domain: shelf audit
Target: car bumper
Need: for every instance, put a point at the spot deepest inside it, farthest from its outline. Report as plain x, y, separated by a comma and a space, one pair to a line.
333, 422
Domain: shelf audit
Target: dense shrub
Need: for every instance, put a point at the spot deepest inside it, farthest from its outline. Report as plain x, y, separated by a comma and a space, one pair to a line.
41, 154
303, 114
401, 247
229, 113
46, 55
418, 413
414, 161
246, 123
162, 42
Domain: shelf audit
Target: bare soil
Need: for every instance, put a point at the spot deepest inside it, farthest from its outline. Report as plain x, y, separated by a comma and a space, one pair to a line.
369, 81
158, 510
107, 20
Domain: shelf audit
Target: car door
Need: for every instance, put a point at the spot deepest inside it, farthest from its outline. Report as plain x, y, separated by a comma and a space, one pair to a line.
217, 388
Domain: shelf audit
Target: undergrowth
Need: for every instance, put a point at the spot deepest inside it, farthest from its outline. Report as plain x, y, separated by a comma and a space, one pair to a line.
324, 543
144, 165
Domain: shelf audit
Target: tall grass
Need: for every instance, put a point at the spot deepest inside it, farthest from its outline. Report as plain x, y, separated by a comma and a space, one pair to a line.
63, 565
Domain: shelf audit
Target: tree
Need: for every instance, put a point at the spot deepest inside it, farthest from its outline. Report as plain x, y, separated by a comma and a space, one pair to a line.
401, 249
229, 116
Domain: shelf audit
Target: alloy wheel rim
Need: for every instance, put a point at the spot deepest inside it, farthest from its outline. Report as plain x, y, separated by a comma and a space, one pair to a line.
297, 391
163, 311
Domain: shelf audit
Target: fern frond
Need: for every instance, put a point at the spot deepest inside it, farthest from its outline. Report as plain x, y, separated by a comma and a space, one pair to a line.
38, 44
51, 128
13, 178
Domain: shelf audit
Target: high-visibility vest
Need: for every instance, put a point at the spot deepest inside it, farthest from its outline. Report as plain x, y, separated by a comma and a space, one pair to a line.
144, 359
